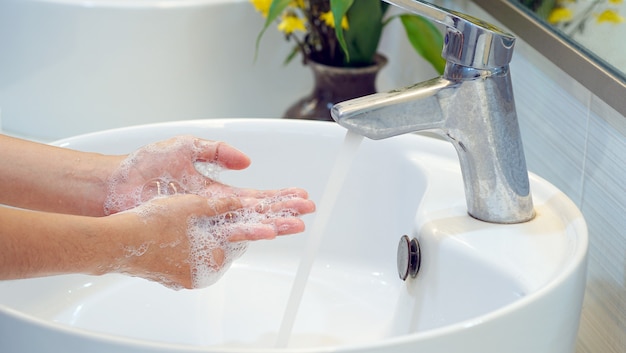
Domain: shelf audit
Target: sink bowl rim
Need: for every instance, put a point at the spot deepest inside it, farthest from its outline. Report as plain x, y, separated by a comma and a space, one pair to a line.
578, 258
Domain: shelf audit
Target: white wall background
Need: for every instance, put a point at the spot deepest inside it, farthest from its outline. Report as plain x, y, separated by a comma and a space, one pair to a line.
68, 68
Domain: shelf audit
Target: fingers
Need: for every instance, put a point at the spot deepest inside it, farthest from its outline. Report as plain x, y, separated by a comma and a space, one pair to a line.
253, 219
221, 153
218, 206
266, 231
291, 205
295, 206
264, 194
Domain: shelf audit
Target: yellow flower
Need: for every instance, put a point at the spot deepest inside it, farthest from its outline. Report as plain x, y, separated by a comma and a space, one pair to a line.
263, 6
291, 23
615, 2
610, 15
560, 14
329, 20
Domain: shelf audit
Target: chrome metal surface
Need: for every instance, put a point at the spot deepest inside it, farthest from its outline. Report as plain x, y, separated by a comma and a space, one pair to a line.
472, 107
409, 257
469, 41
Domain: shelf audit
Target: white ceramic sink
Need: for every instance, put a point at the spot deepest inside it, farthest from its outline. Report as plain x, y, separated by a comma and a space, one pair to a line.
481, 288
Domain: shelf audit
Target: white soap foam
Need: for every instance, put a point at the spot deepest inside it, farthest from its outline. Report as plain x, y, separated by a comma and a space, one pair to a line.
138, 250
211, 253
209, 170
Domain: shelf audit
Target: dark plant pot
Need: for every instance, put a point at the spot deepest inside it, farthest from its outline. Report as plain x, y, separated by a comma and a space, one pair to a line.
333, 85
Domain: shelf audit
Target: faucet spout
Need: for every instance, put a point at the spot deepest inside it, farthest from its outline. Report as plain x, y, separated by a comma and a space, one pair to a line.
471, 106
382, 115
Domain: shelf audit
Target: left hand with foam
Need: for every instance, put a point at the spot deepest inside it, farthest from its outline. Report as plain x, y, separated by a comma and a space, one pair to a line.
169, 167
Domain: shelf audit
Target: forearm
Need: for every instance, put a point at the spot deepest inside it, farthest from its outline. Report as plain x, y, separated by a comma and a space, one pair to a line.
47, 178
35, 244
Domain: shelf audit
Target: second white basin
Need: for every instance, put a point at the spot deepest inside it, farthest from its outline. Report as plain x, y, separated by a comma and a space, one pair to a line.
481, 288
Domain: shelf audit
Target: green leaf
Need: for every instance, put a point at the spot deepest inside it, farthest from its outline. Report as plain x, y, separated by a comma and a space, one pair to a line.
366, 26
339, 8
276, 8
425, 38
292, 54
545, 8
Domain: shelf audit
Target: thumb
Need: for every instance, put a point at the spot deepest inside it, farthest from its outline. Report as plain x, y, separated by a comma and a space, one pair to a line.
222, 154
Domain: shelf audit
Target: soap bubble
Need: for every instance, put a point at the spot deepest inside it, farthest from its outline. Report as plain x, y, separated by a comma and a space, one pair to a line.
209, 170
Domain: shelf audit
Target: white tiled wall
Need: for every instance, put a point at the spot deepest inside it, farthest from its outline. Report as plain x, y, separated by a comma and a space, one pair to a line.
604, 206
578, 143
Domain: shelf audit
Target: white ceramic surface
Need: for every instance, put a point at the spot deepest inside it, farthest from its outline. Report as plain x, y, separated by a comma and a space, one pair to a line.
482, 287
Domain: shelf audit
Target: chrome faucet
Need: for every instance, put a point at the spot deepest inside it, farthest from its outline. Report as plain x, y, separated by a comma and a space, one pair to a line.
471, 105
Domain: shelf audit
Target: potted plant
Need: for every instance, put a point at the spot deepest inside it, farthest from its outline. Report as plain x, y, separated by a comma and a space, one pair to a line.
339, 40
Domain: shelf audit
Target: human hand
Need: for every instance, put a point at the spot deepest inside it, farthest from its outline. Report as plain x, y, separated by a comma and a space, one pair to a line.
204, 241
188, 241
169, 167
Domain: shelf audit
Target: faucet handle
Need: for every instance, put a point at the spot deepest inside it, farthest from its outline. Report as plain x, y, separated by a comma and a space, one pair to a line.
469, 41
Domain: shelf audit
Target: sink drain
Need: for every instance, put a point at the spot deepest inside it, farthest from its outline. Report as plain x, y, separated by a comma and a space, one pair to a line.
409, 257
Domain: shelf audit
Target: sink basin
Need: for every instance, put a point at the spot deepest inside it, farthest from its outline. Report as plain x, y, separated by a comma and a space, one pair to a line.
481, 287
